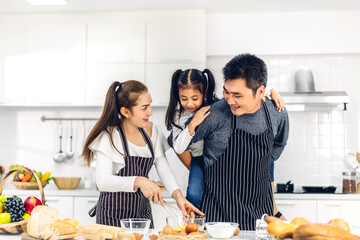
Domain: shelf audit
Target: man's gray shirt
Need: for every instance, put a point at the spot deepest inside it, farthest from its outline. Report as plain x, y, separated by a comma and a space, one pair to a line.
216, 128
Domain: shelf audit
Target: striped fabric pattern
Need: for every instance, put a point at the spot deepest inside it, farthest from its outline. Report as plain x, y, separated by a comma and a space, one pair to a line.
114, 206
237, 186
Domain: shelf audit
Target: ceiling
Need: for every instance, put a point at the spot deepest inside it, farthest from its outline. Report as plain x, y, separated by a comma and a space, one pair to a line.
212, 6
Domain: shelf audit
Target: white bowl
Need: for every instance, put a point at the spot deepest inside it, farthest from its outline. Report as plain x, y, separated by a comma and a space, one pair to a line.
221, 229
136, 225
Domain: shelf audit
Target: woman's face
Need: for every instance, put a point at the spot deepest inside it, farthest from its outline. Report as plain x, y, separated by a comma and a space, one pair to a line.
142, 111
191, 99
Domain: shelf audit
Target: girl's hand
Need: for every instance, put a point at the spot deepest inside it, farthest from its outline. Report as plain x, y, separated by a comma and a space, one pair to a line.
198, 118
280, 104
150, 190
184, 205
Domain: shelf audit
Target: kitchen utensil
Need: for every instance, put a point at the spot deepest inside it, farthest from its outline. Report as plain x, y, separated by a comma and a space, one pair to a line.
285, 188
70, 154
67, 182
136, 225
221, 229
60, 156
319, 189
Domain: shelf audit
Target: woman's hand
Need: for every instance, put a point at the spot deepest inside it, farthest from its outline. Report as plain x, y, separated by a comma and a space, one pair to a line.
198, 118
184, 205
280, 104
150, 190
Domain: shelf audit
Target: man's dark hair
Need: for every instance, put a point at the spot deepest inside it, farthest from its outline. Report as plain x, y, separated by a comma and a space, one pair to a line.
248, 67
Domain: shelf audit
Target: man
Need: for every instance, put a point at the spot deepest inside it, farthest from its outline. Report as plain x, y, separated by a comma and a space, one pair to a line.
240, 135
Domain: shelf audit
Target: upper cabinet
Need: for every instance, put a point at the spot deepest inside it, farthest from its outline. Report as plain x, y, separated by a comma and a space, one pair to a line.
277, 33
12, 63
55, 64
176, 42
116, 42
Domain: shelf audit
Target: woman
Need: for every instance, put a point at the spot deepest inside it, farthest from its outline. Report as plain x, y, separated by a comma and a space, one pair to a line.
125, 145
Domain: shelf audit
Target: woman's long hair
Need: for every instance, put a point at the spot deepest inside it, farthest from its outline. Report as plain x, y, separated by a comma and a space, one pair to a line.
119, 95
201, 80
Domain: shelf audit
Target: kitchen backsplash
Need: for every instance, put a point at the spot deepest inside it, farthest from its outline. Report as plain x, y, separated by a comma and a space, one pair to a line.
317, 146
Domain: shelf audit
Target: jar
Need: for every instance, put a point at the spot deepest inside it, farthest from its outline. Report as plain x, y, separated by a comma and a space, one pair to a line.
349, 182
358, 180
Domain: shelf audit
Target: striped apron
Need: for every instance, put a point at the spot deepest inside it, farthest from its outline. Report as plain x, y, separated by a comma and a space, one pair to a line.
114, 206
237, 186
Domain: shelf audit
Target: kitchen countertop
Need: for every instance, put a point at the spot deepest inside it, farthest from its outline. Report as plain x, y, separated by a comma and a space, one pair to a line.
317, 196
246, 235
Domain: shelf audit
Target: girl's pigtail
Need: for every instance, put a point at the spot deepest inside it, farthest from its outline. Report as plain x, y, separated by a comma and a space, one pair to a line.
210, 95
173, 102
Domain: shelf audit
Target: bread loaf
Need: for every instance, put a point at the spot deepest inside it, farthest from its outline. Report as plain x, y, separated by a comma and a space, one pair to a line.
341, 223
299, 221
41, 217
281, 229
61, 229
322, 231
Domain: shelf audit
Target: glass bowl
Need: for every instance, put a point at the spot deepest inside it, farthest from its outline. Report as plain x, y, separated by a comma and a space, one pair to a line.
136, 225
221, 229
199, 220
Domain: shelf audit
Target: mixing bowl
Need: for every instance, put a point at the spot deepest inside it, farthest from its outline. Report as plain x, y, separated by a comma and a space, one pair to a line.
136, 225
221, 229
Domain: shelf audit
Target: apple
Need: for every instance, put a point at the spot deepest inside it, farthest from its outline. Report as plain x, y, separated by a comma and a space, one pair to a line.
31, 202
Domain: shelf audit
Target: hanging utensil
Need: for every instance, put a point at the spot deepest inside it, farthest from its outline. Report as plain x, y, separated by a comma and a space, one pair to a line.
60, 156
70, 154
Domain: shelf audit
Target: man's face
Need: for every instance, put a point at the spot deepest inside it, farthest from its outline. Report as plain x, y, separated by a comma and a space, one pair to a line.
240, 98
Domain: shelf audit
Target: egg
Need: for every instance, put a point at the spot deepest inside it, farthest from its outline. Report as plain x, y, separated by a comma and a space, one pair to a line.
168, 230
191, 227
153, 237
237, 231
138, 236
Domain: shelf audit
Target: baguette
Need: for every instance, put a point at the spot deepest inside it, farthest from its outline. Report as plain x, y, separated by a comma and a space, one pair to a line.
322, 231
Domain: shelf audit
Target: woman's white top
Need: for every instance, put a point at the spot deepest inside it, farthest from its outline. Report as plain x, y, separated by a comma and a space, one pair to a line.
182, 137
109, 161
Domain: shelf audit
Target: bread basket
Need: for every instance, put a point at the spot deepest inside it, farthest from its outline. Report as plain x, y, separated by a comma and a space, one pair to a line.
201, 236
19, 227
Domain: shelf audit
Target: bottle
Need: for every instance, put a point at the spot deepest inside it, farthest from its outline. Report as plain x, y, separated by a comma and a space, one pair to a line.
349, 182
358, 180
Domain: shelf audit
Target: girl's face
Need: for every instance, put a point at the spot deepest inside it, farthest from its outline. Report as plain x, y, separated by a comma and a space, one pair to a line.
142, 111
190, 98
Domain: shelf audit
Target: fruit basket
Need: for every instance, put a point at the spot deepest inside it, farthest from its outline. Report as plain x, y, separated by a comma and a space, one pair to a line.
28, 185
19, 227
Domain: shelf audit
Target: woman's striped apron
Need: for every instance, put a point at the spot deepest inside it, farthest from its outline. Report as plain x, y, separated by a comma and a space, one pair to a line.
114, 206
237, 187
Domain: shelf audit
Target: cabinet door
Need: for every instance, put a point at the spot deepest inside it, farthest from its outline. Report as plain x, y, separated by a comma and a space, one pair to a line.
63, 204
159, 213
82, 205
116, 42
345, 209
298, 208
158, 80
100, 76
181, 42
56, 64
12, 63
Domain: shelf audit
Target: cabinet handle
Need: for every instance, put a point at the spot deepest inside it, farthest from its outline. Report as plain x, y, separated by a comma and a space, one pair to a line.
286, 203
333, 204
92, 201
176, 60
52, 200
130, 60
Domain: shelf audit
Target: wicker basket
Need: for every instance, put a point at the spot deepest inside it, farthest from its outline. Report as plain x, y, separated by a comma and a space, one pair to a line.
19, 227
201, 236
28, 185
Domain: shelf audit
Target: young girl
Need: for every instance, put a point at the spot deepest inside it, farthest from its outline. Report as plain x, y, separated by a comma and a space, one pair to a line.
192, 91
125, 145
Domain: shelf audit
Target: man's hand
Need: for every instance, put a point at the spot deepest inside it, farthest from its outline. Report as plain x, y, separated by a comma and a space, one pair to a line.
150, 190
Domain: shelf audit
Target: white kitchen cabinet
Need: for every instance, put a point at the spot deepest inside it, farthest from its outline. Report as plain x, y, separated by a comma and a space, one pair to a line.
100, 76
298, 208
116, 42
64, 205
82, 205
12, 63
160, 213
346, 209
176, 42
158, 80
55, 72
